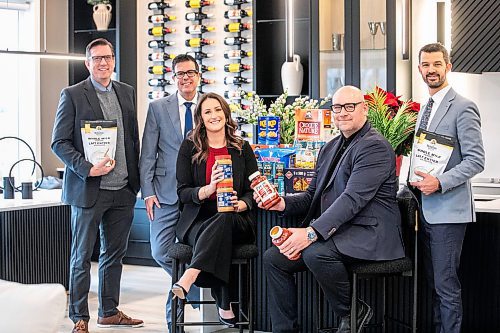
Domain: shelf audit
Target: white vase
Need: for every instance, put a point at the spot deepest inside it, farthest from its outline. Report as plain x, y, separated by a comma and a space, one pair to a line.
102, 16
292, 74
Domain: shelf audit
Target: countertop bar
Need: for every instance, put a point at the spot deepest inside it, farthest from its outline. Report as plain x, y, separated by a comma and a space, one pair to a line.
41, 198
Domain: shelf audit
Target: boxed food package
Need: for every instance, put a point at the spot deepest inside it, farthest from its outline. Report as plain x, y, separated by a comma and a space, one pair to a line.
268, 129
297, 180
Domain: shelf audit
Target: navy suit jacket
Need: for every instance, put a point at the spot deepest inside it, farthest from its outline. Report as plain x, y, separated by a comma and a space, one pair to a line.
356, 207
80, 102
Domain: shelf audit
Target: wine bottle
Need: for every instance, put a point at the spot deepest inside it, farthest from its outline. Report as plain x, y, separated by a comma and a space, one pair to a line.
198, 29
205, 68
236, 40
200, 55
236, 2
160, 31
158, 44
161, 18
198, 3
197, 16
159, 82
197, 42
237, 14
236, 80
204, 81
234, 94
160, 56
237, 54
157, 94
237, 27
159, 69
160, 5
236, 68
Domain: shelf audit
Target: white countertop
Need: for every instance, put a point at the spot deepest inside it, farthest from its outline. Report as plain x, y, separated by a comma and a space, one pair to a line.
41, 198
491, 206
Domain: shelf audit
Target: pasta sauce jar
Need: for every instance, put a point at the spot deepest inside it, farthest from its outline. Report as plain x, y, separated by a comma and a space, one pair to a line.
279, 235
264, 189
224, 194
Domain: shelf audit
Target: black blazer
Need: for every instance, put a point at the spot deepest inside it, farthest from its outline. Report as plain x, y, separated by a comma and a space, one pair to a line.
80, 102
358, 206
192, 176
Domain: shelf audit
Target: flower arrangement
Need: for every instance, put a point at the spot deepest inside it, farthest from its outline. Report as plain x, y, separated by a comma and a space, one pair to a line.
279, 108
97, 2
393, 118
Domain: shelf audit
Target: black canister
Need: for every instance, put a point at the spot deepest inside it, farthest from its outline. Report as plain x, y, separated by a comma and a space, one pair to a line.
27, 190
8, 190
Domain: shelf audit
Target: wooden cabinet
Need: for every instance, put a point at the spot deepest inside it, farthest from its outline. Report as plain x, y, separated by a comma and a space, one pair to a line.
121, 33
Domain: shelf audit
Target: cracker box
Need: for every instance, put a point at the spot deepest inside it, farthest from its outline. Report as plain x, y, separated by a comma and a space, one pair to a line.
297, 180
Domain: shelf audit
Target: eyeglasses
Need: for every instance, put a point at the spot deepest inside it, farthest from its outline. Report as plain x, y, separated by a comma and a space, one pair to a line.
98, 59
349, 107
189, 73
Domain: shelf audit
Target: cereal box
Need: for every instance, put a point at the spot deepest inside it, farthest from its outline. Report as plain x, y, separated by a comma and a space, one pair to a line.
308, 124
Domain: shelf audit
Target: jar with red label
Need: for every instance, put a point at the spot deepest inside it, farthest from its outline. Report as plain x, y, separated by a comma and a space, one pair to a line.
264, 189
279, 235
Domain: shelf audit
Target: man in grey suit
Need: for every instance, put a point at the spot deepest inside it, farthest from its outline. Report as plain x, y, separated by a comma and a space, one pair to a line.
352, 216
447, 202
168, 121
102, 196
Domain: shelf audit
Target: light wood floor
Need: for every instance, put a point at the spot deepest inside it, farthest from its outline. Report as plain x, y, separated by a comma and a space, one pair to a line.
143, 295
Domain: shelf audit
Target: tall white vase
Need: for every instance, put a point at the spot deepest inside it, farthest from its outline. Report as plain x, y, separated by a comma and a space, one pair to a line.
292, 74
102, 16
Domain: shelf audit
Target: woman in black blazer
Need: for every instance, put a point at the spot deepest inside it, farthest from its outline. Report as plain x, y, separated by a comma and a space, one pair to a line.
212, 234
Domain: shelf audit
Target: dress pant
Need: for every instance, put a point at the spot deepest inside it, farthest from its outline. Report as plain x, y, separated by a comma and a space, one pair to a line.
162, 236
327, 265
442, 247
110, 219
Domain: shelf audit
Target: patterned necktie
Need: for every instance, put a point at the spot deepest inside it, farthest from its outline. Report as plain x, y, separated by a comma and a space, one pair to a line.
188, 119
427, 114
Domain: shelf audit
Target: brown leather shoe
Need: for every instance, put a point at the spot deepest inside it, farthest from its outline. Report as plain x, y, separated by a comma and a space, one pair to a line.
81, 326
119, 320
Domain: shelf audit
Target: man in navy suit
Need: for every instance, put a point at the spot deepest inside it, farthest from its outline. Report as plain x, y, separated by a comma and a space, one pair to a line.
102, 196
446, 200
351, 216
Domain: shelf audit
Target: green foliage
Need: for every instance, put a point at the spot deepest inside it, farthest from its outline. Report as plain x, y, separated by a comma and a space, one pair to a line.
97, 2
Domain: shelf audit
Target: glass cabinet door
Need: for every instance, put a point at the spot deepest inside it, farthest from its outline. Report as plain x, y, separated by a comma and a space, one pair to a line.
373, 44
331, 46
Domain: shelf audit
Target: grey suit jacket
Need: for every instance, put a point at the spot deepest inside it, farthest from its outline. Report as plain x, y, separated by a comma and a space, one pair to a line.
356, 207
161, 140
457, 117
80, 102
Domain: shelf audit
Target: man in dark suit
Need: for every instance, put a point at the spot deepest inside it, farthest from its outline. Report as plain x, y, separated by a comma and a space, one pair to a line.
102, 196
446, 200
351, 216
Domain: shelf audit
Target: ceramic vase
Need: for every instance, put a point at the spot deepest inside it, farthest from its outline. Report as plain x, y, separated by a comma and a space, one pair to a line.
102, 16
292, 74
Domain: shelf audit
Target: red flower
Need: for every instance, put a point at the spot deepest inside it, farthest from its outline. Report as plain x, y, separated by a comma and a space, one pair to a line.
414, 106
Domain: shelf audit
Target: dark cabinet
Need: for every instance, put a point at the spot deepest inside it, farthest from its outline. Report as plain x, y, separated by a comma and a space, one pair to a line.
121, 33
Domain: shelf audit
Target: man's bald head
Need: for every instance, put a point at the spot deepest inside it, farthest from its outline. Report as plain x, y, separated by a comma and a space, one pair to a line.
349, 120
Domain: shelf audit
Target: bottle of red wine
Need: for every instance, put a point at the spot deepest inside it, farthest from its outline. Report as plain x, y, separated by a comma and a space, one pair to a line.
160, 31
237, 27
236, 80
160, 5
157, 94
237, 54
158, 44
159, 82
197, 16
159, 70
160, 56
236, 68
205, 68
237, 14
236, 2
161, 18
204, 81
199, 29
197, 42
198, 3
200, 55
236, 40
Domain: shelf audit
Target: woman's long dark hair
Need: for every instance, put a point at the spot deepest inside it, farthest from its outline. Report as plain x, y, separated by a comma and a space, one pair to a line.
199, 134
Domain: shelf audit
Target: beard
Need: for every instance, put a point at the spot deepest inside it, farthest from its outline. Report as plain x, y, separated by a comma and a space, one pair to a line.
435, 84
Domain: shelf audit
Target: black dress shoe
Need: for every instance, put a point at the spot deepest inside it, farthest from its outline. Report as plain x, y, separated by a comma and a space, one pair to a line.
365, 313
231, 322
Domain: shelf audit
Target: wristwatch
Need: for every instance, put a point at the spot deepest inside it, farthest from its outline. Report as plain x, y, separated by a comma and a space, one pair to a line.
311, 235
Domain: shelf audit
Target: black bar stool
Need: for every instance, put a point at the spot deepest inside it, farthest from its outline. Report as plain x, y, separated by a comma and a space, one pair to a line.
181, 255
